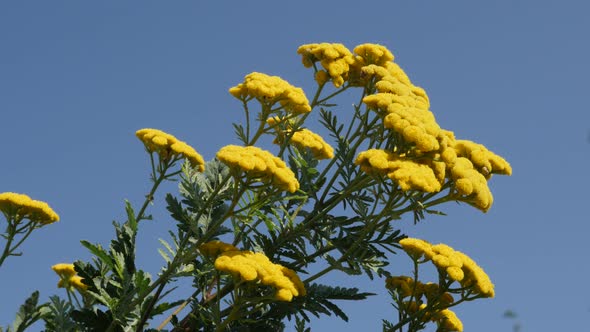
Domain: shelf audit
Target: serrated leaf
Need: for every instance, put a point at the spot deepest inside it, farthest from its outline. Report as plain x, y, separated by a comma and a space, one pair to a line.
99, 252
58, 315
141, 281
28, 313
131, 216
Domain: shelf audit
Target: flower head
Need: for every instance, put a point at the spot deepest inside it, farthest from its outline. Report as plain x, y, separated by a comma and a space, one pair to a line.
22, 206
168, 146
68, 278
373, 54
259, 164
214, 248
305, 138
302, 139
270, 90
64, 270
447, 320
256, 267
472, 184
408, 174
485, 161
336, 59
453, 265
401, 113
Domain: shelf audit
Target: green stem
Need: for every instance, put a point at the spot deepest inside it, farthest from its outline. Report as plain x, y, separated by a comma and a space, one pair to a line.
12, 231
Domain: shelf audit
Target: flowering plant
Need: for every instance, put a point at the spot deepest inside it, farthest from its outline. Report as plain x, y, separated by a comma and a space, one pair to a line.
258, 230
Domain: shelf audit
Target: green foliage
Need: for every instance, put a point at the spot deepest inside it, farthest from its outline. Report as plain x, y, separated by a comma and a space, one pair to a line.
58, 316
29, 313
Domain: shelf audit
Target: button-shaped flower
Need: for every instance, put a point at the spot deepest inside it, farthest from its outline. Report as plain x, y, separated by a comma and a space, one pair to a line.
260, 165
168, 146
21, 206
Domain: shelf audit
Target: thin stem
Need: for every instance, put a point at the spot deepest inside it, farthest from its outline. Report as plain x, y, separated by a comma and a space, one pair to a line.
150, 306
176, 312
12, 231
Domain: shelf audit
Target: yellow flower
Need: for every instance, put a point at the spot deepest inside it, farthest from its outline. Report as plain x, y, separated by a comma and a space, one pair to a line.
76, 282
68, 278
374, 161
475, 277
386, 102
270, 90
373, 54
306, 139
214, 248
322, 77
484, 160
413, 307
408, 174
432, 292
405, 286
447, 320
167, 146
64, 270
256, 267
452, 264
259, 164
405, 116
471, 183
336, 59
415, 125
417, 248
22, 206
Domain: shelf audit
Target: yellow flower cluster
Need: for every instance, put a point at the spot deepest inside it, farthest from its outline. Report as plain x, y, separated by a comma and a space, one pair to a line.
407, 287
68, 277
168, 146
406, 173
485, 161
335, 58
454, 264
214, 248
259, 164
22, 206
404, 109
469, 165
340, 65
305, 138
302, 139
373, 54
250, 266
271, 89
447, 320
437, 312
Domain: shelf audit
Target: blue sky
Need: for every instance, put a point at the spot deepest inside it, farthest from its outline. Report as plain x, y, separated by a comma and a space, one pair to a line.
78, 78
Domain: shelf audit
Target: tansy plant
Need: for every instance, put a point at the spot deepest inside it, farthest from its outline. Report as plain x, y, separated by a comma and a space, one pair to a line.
260, 228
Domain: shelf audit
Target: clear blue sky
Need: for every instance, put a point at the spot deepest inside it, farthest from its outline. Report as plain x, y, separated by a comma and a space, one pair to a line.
78, 78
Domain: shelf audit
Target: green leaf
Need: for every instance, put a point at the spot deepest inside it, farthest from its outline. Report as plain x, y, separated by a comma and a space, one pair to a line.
141, 281
99, 252
93, 320
131, 216
28, 313
240, 133
58, 316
